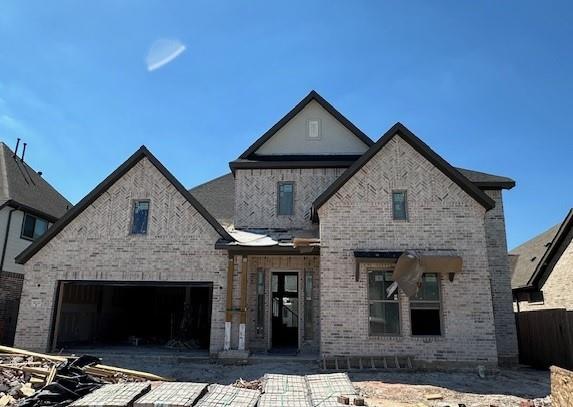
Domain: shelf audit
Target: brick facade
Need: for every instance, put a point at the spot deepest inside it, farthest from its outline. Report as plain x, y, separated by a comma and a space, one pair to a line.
441, 216
96, 245
256, 196
10, 292
502, 297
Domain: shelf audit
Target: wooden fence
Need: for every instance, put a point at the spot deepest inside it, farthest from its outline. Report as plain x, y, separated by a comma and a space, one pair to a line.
545, 338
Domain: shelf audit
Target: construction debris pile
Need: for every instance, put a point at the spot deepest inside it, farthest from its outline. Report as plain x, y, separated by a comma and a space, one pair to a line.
30, 379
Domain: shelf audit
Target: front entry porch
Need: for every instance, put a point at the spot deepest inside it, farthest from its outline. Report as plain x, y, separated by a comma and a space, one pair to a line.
274, 306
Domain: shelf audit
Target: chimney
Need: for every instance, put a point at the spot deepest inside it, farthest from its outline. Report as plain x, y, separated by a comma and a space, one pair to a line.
40, 173
23, 152
16, 149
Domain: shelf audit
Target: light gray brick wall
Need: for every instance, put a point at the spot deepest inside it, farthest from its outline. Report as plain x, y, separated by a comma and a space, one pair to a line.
256, 195
441, 216
179, 246
558, 289
504, 319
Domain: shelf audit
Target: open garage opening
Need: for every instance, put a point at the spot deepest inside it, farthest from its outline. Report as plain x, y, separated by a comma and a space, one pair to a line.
118, 315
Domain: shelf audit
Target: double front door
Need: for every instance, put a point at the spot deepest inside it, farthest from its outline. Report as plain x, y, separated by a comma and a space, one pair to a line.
285, 312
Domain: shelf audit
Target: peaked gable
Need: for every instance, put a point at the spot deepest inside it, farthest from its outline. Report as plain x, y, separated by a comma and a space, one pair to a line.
340, 131
399, 130
99, 190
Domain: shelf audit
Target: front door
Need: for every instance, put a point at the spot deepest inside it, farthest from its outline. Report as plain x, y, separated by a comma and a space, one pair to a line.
284, 310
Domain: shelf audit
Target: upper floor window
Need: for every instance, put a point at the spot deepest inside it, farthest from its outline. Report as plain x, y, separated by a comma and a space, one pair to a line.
384, 311
285, 204
140, 217
399, 207
313, 129
425, 314
33, 227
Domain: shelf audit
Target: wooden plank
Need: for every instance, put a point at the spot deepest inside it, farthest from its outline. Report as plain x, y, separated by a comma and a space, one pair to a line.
230, 272
61, 290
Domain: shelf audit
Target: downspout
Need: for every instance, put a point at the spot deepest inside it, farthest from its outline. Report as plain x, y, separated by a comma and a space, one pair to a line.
6, 238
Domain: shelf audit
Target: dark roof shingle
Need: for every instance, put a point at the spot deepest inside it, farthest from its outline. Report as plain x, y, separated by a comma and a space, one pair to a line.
20, 184
525, 257
218, 197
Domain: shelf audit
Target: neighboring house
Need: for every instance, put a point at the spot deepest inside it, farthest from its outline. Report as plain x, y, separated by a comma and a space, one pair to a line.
543, 269
297, 249
28, 206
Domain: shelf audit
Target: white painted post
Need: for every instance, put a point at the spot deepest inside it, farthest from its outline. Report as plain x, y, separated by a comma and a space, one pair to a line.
227, 345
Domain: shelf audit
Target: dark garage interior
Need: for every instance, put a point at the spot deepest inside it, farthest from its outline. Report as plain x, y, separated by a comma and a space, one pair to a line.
176, 316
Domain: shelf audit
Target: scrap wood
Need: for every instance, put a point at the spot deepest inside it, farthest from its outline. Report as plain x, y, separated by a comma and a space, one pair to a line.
434, 396
7, 400
136, 373
51, 376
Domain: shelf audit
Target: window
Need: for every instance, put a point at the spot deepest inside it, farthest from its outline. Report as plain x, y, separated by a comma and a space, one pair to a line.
399, 205
384, 317
140, 217
425, 313
313, 129
33, 227
285, 198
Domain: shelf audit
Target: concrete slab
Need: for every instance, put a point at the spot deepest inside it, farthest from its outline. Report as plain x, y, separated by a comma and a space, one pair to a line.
114, 395
180, 394
224, 396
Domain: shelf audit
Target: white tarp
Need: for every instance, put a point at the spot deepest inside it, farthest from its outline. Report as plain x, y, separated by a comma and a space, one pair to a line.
411, 265
251, 239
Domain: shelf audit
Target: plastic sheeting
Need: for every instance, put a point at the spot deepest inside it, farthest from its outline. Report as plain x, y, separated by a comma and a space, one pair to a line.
411, 265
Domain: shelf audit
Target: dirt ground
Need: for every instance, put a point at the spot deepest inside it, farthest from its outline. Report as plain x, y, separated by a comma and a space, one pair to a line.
380, 389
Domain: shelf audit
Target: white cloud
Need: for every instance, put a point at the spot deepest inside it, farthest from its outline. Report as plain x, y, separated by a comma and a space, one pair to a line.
162, 52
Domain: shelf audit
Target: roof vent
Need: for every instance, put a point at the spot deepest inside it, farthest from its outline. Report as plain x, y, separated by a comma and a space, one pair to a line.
547, 244
533, 258
40, 173
16, 149
23, 152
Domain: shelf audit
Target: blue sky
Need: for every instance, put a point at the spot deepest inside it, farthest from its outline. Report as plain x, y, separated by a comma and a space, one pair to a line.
487, 84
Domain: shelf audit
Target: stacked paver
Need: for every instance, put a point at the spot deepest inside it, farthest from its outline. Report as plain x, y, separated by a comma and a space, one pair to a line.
172, 395
278, 391
111, 395
284, 390
229, 396
325, 388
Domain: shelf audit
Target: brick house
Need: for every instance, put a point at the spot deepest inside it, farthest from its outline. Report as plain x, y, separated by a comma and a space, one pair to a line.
319, 241
542, 269
29, 205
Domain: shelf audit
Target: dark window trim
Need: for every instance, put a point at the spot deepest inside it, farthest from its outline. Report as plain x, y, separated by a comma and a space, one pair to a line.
31, 239
132, 214
440, 310
383, 335
279, 184
406, 212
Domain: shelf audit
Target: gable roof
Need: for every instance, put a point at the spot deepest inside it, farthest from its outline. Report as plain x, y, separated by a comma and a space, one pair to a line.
24, 188
483, 180
400, 130
249, 153
530, 259
143, 152
218, 197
